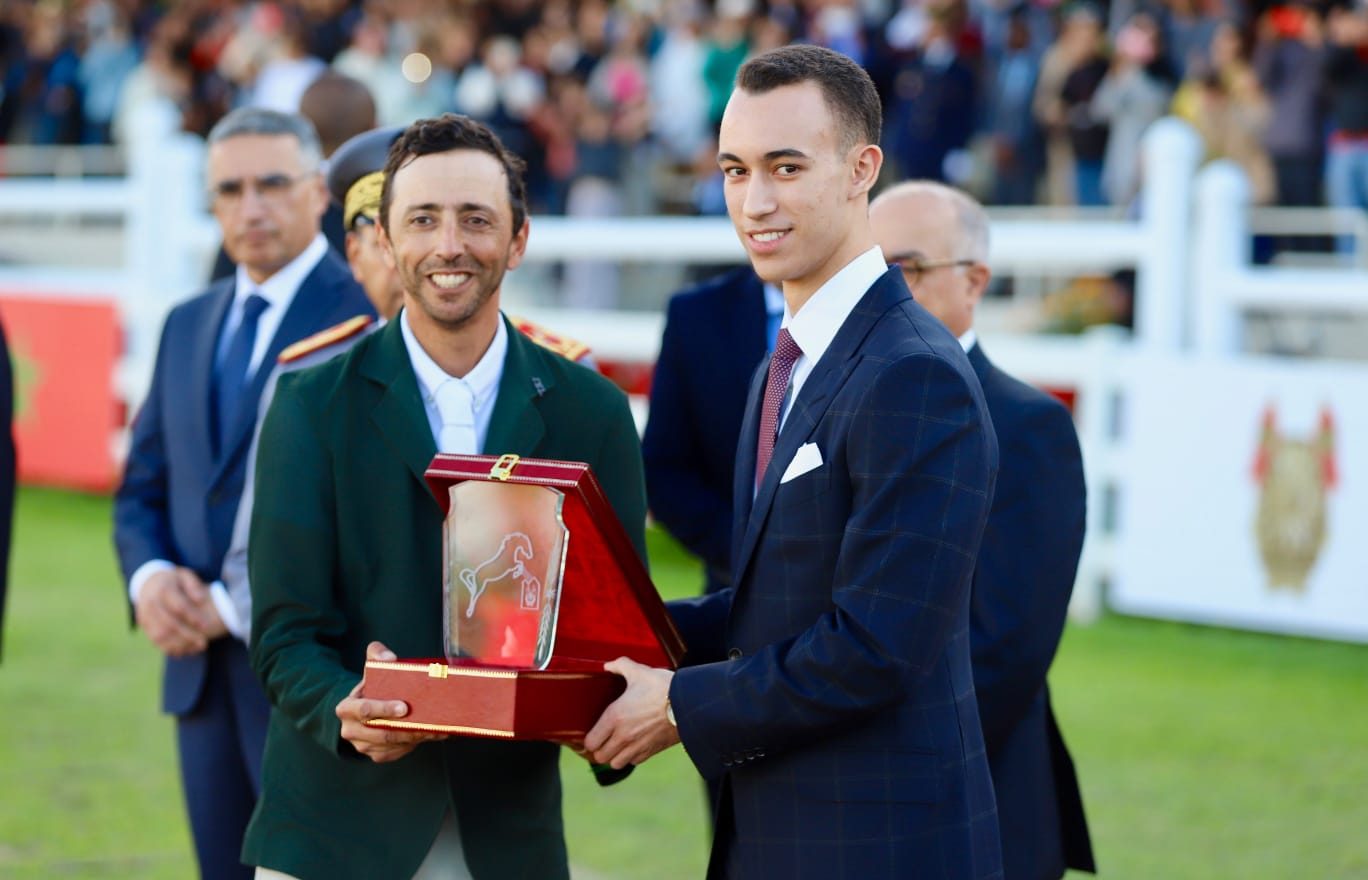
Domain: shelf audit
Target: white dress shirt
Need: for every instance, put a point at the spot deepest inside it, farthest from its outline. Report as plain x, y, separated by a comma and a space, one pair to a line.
968, 340
479, 387
816, 323
279, 291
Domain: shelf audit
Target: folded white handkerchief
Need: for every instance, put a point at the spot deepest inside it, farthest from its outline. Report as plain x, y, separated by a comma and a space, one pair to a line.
807, 458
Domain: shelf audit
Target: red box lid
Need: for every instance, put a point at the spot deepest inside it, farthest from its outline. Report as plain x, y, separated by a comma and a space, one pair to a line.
621, 614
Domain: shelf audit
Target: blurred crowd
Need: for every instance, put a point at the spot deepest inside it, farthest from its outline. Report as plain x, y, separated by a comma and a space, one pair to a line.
614, 104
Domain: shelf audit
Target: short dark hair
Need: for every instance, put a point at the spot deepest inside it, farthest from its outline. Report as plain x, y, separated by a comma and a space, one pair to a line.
849, 92
445, 133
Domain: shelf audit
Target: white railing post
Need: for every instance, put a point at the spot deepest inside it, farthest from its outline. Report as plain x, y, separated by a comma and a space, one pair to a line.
1171, 151
1221, 234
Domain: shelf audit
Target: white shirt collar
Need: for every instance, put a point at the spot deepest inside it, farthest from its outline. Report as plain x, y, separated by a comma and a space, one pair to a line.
280, 288
968, 340
817, 321
774, 299
482, 380
279, 291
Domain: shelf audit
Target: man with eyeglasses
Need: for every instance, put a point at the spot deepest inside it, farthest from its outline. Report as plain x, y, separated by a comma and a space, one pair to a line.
1029, 555
174, 511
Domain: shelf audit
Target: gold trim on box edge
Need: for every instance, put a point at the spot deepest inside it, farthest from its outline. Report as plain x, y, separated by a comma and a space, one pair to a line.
439, 728
427, 669
430, 670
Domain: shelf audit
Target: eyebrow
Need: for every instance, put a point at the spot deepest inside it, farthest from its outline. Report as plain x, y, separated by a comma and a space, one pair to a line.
910, 255
785, 153
462, 208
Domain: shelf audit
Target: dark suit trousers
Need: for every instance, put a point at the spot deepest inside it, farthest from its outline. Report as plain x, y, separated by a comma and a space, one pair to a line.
221, 742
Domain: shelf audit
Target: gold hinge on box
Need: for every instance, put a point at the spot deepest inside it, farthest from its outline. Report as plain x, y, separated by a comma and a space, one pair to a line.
503, 468
438, 670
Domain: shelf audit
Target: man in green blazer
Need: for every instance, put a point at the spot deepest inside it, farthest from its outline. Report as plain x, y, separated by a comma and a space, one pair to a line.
346, 554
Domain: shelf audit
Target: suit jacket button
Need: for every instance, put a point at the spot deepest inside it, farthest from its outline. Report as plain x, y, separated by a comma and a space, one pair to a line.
734, 654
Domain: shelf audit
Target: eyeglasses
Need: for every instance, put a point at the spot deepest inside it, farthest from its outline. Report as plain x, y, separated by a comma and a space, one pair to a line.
267, 186
913, 268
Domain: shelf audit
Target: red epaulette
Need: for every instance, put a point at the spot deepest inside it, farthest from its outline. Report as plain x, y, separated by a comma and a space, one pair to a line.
323, 338
570, 349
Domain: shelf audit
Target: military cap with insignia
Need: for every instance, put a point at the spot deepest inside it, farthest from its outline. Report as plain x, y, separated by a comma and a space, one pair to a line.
356, 173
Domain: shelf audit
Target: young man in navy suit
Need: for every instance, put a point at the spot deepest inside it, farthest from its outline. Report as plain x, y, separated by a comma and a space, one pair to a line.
1026, 565
173, 513
830, 687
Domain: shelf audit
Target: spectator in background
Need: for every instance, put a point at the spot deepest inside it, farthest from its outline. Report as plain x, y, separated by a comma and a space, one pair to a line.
154, 96
1134, 93
1088, 134
1289, 59
1018, 148
727, 48
1221, 98
1188, 28
1078, 43
288, 68
367, 59
109, 58
50, 91
930, 113
1346, 166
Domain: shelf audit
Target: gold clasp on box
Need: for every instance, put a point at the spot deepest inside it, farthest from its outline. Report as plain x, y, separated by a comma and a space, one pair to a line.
503, 468
438, 670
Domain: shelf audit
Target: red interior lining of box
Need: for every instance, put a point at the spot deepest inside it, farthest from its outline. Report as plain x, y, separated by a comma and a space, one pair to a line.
608, 606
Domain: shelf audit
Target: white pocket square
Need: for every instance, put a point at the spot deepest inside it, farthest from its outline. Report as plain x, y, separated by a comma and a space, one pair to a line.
807, 458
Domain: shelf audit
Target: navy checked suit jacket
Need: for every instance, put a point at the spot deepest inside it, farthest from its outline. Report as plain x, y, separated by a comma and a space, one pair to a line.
844, 719
178, 500
1021, 591
714, 338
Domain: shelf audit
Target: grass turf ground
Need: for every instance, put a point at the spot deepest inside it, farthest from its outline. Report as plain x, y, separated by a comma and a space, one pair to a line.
1203, 753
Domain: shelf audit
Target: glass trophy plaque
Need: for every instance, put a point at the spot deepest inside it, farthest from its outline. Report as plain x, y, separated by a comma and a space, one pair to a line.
504, 557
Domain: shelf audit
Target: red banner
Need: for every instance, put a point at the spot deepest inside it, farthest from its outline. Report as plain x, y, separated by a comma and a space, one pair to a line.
66, 414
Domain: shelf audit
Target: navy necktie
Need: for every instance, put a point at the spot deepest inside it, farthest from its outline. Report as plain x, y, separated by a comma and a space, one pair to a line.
786, 354
232, 372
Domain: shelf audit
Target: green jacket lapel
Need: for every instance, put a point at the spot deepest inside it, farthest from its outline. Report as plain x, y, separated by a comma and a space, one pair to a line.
399, 414
516, 425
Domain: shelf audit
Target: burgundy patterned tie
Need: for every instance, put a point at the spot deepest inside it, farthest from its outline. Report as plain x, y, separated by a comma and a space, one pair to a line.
786, 354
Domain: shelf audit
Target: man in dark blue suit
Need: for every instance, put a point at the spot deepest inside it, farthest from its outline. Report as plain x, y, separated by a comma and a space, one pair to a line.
173, 513
1029, 556
831, 686
716, 334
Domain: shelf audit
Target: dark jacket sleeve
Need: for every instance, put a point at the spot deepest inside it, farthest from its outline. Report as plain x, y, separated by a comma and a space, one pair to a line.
696, 513
142, 526
292, 548
1027, 564
7, 469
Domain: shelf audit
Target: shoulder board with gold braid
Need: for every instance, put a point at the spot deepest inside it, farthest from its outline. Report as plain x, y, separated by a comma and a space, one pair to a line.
323, 338
570, 349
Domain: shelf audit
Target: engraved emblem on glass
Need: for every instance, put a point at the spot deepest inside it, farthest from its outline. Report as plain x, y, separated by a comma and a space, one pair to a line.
504, 554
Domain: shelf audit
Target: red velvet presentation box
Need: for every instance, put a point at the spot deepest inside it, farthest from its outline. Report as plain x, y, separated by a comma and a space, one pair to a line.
558, 591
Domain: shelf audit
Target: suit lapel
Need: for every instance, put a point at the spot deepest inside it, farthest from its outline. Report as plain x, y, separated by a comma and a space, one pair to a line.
516, 426
309, 312
398, 413
201, 397
820, 388
743, 492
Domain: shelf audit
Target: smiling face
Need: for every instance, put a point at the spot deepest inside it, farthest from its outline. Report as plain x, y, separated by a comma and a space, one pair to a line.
796, 195
450, 236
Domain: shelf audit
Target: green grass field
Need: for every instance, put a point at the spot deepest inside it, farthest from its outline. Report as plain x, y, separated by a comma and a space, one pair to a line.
1203, 753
